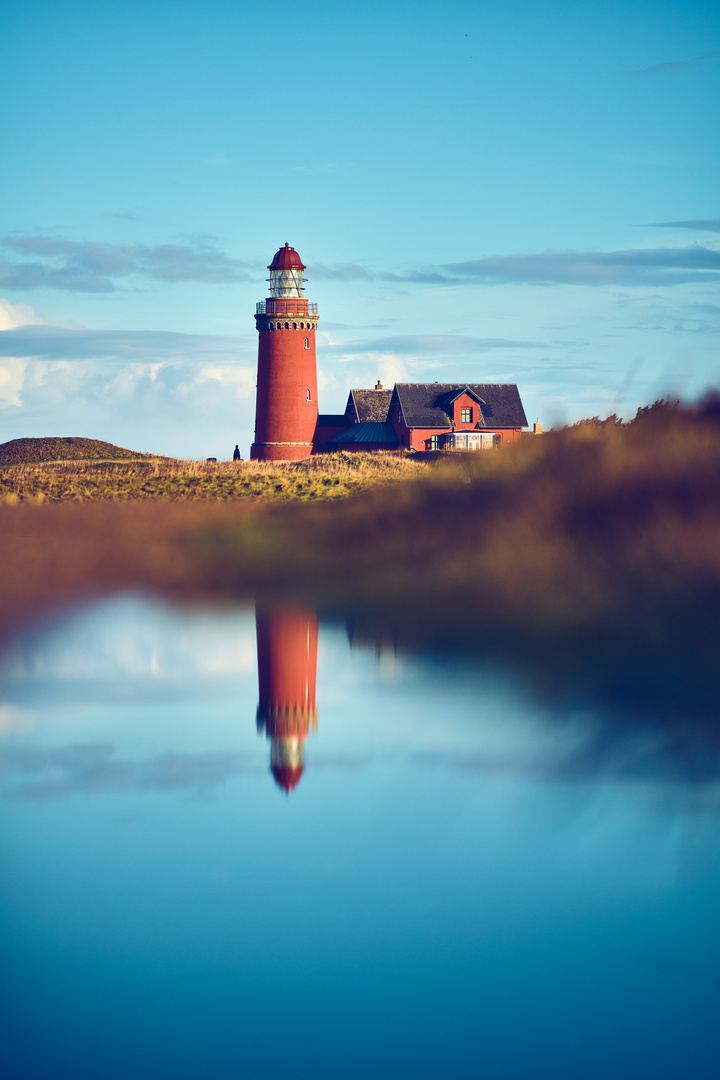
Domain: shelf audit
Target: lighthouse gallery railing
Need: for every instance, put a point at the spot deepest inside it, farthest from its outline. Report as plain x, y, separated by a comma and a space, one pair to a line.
286, 307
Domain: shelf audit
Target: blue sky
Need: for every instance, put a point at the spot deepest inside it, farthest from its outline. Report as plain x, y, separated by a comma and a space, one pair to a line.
513, 192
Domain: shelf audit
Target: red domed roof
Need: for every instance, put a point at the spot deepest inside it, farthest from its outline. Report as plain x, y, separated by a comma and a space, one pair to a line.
286, 258
287, 776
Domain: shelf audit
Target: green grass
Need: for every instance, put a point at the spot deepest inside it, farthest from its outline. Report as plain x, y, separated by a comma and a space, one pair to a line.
325, 476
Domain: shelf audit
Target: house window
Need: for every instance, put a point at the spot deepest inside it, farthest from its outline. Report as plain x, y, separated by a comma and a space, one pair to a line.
466, 416
434, 442
307, 343
399, 416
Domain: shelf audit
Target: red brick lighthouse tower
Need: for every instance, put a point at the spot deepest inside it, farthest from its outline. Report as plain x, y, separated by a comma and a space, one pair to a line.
286, 409
287, 644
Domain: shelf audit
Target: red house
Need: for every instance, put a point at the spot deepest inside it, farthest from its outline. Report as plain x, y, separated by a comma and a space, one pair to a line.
452, 416
429, 416
364, 408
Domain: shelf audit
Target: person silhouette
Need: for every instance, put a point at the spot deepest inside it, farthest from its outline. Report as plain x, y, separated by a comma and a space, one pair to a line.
236, 454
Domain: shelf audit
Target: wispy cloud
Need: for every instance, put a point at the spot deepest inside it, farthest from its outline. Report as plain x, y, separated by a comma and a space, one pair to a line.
630, 267
435, 345
94, 267
58, 343
672, 67
636, 266
98, 267
702, 224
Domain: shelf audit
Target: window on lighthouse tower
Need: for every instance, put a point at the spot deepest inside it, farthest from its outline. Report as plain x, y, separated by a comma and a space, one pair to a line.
307, 343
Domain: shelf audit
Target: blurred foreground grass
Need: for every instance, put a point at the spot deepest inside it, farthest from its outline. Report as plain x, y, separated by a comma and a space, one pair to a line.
589, 557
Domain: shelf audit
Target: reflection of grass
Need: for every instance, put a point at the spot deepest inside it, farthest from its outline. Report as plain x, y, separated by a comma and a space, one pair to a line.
592, 554
322, 477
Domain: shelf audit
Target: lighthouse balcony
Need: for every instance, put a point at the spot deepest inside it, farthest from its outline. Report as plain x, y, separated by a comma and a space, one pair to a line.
296, 306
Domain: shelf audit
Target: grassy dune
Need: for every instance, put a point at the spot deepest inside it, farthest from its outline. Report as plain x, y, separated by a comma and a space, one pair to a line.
321, 477
30, 451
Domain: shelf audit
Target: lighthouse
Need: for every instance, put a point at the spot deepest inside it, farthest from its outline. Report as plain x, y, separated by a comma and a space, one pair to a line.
287, 643
286, 409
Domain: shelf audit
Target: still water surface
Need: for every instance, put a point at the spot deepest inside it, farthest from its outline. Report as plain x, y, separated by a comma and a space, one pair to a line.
439, 875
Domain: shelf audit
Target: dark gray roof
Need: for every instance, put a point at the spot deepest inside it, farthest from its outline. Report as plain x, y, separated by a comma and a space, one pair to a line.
366, 433
424, 404
332, 420
371, 406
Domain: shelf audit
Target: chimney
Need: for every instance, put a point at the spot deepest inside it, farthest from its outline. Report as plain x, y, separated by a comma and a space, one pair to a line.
537, 429
378, 385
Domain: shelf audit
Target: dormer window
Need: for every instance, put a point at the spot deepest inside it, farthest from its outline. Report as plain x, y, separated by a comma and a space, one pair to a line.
466, 416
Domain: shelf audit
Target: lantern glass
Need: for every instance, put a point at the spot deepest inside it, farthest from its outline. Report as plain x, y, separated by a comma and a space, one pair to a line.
286, 282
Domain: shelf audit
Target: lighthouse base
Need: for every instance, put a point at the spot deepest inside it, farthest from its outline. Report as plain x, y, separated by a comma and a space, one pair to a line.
280, 451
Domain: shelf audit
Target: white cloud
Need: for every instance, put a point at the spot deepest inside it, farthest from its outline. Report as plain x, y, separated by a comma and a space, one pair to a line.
12, 377
240, 381
14, 315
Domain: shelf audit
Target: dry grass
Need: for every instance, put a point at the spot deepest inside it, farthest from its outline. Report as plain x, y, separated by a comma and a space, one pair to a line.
321, 477
61, 448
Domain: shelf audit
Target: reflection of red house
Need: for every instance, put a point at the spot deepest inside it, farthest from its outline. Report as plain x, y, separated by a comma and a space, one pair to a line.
287, 666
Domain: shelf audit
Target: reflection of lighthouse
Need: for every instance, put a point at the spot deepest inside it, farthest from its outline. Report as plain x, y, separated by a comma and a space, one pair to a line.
287, 667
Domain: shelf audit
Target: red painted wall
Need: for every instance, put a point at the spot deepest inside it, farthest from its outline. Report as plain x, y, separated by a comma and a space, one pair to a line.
418, 438
465, 402
286, 371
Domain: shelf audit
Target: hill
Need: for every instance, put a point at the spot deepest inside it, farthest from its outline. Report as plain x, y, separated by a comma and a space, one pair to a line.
35, 451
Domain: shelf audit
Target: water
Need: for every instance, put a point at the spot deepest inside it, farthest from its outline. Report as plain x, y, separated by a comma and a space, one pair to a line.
439, 876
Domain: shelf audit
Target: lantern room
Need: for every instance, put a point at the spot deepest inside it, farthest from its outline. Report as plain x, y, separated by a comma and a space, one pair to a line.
286, 274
